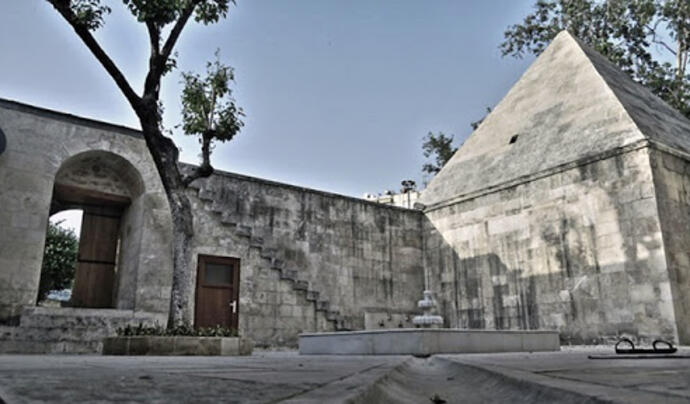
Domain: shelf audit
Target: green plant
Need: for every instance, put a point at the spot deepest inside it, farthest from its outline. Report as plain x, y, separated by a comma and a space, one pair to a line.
59, 259
178, 331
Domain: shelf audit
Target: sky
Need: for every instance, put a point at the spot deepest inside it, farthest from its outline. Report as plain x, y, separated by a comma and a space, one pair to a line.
338, 95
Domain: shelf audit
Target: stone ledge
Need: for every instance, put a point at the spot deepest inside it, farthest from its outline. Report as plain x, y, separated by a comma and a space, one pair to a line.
427, 341
172, 346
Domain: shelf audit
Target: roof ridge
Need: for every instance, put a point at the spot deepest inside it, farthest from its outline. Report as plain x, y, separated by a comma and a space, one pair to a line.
583, 47
650, 125
563, 108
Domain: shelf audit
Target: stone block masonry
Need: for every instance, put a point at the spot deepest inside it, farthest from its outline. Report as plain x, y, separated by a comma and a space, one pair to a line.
567, 209
357, 255
671, 173
45, 148
310, 260
580, 251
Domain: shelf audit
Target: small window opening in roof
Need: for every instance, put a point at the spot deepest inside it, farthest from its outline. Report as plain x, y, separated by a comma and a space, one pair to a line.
513, 139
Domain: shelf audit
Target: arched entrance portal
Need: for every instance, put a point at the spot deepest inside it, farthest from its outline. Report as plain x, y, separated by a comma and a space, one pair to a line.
105, 186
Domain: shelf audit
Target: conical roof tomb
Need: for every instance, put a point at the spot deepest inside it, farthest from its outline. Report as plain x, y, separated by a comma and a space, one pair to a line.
570, 104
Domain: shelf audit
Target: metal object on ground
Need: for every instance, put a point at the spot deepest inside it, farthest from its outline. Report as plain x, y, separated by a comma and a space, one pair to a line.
632, 350
638, 356
642, 353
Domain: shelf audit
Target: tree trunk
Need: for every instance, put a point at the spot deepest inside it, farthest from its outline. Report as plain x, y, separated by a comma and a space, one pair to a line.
182, 282
165, 156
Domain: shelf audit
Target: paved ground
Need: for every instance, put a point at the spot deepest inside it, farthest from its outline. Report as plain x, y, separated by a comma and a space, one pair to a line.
271, 377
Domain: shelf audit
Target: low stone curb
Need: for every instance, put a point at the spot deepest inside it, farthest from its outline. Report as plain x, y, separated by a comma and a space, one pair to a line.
160, 345
427, 341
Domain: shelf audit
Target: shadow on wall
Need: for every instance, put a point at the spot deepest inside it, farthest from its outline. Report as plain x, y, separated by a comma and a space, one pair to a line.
584, 257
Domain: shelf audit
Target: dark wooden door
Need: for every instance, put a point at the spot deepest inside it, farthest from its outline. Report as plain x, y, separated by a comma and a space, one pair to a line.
217, 292
95, 274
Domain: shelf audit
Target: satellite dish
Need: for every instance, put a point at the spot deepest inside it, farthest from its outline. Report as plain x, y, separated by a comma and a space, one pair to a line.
3, 142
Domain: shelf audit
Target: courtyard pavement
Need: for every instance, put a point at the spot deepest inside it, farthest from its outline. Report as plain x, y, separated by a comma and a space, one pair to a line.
286, 377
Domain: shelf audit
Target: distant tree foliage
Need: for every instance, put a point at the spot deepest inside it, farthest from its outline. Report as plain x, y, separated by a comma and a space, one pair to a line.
440, 149
636, 35
59, 260
476, 124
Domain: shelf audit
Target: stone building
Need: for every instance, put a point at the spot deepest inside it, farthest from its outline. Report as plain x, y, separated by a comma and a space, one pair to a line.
567, 209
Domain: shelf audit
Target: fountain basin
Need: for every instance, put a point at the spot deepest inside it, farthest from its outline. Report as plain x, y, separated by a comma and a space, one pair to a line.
426, 341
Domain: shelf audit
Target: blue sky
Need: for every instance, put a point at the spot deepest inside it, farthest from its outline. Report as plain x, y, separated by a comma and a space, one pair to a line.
338, 94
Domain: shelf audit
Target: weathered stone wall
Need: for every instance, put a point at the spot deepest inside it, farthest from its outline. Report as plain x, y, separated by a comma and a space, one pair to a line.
39, 143
578, 249
672, 184
360, 256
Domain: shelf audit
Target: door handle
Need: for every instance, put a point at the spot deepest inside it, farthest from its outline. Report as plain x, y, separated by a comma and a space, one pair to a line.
233, 304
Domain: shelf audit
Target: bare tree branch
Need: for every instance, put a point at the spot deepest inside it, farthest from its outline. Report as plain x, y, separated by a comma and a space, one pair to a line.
157, 65
154, 57
652, 30
63, 7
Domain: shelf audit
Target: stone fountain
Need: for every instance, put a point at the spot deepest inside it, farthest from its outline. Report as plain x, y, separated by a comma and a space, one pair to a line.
427, 339
427, 319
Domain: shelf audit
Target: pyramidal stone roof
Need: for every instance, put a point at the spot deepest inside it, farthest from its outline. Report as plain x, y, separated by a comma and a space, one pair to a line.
571, 104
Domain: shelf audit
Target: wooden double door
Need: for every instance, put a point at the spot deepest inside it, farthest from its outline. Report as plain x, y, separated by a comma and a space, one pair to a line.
94, 278
217, 292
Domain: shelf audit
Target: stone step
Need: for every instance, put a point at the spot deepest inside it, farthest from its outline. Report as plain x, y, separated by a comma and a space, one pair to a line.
44, 317
341, 324
333, 315
322, 305
49, 347
312, 295
206, 195
243, 231
267, 252
69, 330
256, 241
301, 285
216, 208
229, 219
59, 334
288, 274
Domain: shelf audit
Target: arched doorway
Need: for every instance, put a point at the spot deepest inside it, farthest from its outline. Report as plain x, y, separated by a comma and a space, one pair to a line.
104, 186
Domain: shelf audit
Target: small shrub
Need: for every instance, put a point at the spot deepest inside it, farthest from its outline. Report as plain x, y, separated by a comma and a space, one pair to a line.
179, 331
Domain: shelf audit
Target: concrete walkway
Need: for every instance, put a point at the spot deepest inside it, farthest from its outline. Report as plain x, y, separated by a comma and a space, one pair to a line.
272, 377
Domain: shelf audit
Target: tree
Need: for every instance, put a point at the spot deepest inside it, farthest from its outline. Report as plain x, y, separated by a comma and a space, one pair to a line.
203, 112
475, 124
440, 148
640, 36
59, 259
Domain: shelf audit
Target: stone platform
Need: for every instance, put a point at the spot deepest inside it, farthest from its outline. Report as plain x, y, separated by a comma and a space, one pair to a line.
69, 330
426, 341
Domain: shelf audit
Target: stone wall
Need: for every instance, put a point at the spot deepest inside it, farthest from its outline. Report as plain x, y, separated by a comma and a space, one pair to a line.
360, 256
578, 249
672, 184
40, 143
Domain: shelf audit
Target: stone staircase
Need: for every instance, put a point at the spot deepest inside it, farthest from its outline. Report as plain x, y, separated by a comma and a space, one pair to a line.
68, 330
232, 221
